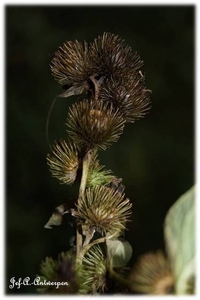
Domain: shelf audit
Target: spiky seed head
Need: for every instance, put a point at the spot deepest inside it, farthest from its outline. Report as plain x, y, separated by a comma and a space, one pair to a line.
97, 175
64, 162
151, 275
93, 272
70, 64
104, 209
94, 124
129, 95
110, 56
62, 270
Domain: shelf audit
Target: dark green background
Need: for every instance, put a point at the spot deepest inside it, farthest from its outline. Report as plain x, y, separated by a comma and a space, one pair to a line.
155, 156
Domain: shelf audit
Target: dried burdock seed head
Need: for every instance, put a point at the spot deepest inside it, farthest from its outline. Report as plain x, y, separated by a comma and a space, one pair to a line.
151, 275
103, 209
93, 272
94, 124
62, 270
70, 64
64, 162
109, 56
129, 95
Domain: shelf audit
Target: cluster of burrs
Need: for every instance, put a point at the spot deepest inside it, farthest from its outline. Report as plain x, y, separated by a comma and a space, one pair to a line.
107, 75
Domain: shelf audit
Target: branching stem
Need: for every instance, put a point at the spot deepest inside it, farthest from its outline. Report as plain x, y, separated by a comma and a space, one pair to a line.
88, 246
85, 169
96, 87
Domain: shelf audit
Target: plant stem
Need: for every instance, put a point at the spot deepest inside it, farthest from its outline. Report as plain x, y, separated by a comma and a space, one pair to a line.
88, 246
79, 241
86, 164
118, 278
96, 86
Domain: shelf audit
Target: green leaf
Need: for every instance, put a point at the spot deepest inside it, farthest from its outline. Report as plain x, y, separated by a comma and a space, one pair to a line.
119, 251
179, 233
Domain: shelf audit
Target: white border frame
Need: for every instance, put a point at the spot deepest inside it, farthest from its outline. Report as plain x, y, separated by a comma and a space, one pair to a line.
2, 126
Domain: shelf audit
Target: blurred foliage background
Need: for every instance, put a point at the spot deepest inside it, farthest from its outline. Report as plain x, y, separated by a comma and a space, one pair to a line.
155, 156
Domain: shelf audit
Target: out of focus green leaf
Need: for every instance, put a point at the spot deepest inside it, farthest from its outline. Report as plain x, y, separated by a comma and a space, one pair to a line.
119, 251
180, 242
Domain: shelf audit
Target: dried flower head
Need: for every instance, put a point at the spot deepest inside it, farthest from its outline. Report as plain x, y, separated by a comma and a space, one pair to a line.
107, 66
152, 275
94, 124
109, 56
103, 209
93, 272
129, 95
62, 270
64, 162
70, 64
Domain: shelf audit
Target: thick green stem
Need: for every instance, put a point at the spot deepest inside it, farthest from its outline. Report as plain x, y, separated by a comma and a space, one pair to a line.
85, 169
